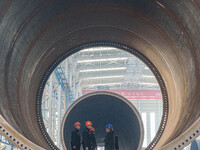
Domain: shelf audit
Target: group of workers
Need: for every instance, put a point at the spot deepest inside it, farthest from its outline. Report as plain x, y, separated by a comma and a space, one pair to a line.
89, 140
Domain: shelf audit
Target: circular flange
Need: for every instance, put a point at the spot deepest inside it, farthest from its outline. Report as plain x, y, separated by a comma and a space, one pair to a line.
108, 44
133, 108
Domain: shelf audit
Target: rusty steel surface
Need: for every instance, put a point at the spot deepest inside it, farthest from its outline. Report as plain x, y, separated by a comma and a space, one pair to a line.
34, 33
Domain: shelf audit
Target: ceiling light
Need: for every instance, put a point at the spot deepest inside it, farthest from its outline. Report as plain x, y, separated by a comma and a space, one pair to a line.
145, 83
107, 59
102, 77
103, 69
99, 49
101, 84
147, 76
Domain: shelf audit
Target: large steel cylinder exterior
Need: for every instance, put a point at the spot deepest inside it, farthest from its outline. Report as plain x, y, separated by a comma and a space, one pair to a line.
102, 109
34, 33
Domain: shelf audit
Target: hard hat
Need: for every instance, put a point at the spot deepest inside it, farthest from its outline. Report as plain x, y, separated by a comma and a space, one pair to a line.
77, 124
109, 126
92, 129
88, 123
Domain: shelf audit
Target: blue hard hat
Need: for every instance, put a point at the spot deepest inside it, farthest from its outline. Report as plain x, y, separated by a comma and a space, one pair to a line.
109, 126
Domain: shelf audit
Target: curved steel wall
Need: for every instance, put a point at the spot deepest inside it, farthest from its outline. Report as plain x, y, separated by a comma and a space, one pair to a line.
35, 33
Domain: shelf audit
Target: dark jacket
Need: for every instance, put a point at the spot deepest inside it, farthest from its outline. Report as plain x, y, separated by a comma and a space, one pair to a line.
75, 140
93, 140
86, 139
116, 143
109, 141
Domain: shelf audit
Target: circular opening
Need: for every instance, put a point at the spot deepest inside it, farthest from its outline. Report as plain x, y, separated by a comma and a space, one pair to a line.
103, 108
102, 66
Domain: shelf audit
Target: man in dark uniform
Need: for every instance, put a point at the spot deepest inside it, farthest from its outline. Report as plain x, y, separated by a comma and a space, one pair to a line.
75, 137
86, 136
93, 139
109, 138
116, 143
